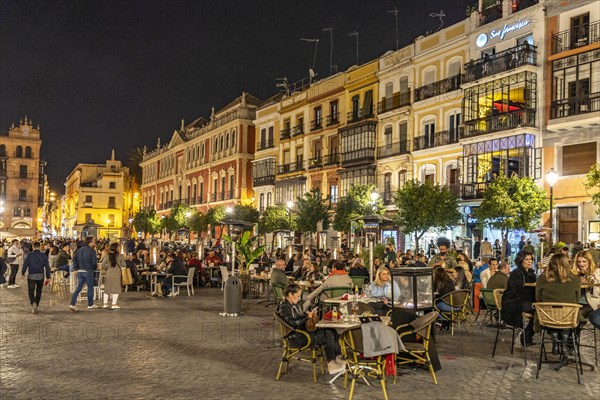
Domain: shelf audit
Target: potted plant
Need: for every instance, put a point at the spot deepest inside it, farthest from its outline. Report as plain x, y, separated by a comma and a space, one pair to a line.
246, 252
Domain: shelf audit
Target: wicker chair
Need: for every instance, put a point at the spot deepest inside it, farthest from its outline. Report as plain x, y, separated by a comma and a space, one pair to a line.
418, 352
498, 299
290, 351
558, 316
458, 299
358, 366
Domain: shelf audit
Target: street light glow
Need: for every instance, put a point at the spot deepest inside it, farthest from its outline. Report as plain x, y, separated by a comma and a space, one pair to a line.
551, 176
374, 196
187, 214
229, 210
290, 204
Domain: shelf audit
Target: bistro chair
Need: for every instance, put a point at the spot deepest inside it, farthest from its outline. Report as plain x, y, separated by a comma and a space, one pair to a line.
188, 283
490, 304
458, 301
278, 293
358, 366
501, 324
561, 317
290, 351
358, 281
418, 352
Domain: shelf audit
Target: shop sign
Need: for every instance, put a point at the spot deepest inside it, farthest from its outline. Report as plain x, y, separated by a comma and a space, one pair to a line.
483, 39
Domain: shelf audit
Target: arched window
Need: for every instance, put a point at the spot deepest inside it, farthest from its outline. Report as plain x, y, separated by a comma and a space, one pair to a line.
19, 152
233, 135
2, 150
227, 141
454, 68
28, 152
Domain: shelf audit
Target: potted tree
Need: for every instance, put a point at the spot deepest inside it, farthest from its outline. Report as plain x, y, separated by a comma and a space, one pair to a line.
246, 252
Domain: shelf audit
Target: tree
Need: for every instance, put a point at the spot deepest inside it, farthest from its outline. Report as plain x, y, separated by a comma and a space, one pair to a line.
215, 215
422, 206
246, 249
592, 184
177, 218
198, 222
246, 213
273, 219
356, 204
146, 221
511, 203
311, 209
134, 158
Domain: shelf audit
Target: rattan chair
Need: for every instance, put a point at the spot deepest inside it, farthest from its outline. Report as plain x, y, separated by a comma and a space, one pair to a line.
418, 353
358, 366
290, 351
490, 304
500, 324
558, 316
458, 299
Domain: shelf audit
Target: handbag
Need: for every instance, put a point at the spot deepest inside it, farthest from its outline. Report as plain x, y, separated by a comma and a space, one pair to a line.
311, 323
126, 278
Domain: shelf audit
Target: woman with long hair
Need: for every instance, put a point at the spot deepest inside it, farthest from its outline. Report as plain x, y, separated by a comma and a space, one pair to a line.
460, 279
111, 266
585, 267
382, 289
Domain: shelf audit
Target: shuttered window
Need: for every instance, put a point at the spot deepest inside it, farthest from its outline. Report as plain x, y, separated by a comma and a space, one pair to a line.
577, 159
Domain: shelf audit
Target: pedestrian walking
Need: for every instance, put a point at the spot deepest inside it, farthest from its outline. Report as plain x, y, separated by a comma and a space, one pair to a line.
37, 265
85, 263
15, 258
111, 265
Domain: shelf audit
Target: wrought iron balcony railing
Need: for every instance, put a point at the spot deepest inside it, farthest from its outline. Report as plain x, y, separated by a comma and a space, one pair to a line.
501, 122
398, 99
575, 37
515, 57
575, 105
393, 149
437, 139
438, 88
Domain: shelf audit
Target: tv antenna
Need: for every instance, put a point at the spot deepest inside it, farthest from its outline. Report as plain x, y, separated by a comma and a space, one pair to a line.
311, 70
330, 30
441, 16
355, 34
282, 84
395, 12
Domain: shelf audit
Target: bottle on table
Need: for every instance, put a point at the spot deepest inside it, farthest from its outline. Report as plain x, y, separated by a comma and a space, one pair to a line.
334, 314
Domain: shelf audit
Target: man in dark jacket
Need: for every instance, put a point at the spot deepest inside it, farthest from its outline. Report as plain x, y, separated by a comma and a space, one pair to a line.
63, 258
177, 268
85, 263
37, 264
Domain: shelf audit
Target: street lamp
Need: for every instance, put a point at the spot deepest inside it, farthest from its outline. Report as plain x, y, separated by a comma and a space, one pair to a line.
551, 178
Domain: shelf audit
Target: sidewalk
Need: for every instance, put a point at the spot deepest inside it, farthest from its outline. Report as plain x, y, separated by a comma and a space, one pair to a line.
180, 348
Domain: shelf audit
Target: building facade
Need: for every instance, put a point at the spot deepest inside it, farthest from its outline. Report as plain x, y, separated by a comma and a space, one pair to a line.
101, 194
206, 163
572, 115
21, 179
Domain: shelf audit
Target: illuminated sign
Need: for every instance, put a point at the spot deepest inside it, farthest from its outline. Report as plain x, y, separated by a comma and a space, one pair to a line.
501, 34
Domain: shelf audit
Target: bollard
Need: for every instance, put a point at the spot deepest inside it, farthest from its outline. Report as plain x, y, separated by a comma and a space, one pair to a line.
232, 297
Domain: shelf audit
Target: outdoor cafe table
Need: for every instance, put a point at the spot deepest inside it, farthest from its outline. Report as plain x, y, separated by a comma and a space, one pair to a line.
350, 299
583, 285
307, 286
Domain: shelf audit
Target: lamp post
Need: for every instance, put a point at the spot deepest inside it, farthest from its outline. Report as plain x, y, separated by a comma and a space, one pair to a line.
371, 228
551, 177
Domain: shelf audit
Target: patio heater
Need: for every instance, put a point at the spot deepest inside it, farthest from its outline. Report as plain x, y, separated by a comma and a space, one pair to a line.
371, 228
154, 251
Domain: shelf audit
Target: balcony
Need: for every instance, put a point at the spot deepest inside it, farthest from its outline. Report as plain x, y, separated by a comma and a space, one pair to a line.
333, 119
168, 204
497, 123
316, 124
399, 99
357, 157
358, 115
265, 145
388, 198
285, 134
441, 138
519, 5
438, 88
213, 197
264, 180
229, 194
575, 38
331, 159
393, 149
298, 130
316, 162
289, 168
575, 105
491, 13
507, 60
88, 204
454, 188
475, 190
28, 199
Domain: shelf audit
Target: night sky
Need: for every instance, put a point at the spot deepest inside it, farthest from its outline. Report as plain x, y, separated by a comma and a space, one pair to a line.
98, 75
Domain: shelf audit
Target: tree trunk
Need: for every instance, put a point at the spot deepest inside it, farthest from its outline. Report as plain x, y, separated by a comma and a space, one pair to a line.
416, 243
504, 242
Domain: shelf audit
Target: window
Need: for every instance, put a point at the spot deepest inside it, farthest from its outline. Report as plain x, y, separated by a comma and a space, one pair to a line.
19, 152
580, 30
333, 192
300, 123
201, 193
401, 178
111, 202
577, 158
387, 134
88, 199
367, 109
223, 181
575, 82
23, 171
112, 185
2, 150
404, 84
111, 219
333, 112
88, 216
318, 116
270, 136
387, 189
261, 202
429, 76
27, 212
453, 68
525, 39
17, 212
216, 187
22, 195
429, 133
403, 132
28, 152
454, 121
226, 141
231, 185
233, 135
355, 107
389, 90
269, 199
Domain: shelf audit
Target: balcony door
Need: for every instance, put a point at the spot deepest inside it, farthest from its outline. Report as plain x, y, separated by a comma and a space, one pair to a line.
429, 134
580, 30
579, 92
454, 121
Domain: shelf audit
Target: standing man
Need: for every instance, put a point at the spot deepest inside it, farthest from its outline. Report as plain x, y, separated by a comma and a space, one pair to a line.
522, 243
477, 248
37, 264
486, 248
15, 255
443, 259
85, 263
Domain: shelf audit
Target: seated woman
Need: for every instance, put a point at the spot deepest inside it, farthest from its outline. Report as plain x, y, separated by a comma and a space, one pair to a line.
382, 289
517, 298
558, 285
460, 279
291, 312
302, 271
585, 267
358, 269
312, 272
442, 285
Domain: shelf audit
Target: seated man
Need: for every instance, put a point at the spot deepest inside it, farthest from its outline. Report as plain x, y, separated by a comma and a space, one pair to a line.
132, 263
278, 277
213, 260
177, 268
500, 279
338, 278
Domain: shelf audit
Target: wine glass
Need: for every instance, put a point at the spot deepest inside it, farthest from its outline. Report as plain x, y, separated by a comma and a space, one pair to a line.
354, 309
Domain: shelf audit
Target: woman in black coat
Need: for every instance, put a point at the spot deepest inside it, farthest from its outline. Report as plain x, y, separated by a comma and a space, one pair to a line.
518, 298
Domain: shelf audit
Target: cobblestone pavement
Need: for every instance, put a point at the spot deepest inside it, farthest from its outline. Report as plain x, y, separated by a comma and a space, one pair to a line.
180, 348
